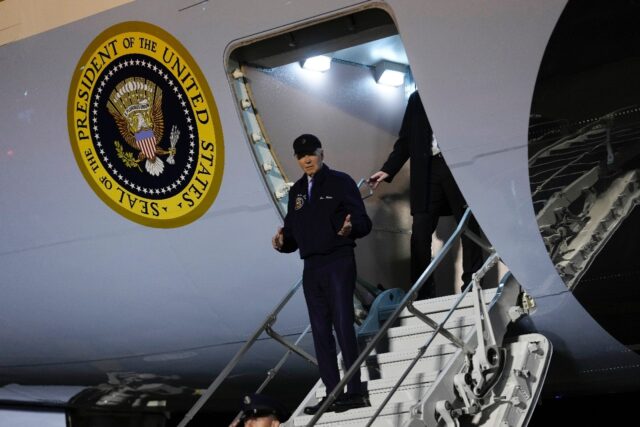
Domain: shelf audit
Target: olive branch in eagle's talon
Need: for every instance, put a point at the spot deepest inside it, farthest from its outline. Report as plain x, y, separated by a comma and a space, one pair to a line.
127, 157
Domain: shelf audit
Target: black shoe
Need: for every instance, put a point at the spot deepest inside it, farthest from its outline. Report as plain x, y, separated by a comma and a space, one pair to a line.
350, 401
311, 410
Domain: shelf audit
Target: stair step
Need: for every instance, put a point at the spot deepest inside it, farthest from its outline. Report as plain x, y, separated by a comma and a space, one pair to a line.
403, 338
454, 326
444, 303
393, 364
393, 355
437, 317
392, 415
411, 389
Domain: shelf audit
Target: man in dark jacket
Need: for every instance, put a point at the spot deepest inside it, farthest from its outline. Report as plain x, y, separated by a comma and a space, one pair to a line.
325, 215
433, 193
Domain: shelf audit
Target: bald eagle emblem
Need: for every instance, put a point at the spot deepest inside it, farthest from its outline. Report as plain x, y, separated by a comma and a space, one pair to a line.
136, 106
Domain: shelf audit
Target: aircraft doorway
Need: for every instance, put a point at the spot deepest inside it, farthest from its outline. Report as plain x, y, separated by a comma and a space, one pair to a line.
356, 117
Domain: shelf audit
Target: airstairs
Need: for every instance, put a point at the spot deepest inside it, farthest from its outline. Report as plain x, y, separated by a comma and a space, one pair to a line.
381, 370
418, 377
444, 361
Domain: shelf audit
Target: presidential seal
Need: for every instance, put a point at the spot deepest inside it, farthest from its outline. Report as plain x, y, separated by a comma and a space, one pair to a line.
144, 127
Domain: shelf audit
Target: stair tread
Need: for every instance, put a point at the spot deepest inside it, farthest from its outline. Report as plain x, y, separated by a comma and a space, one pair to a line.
386, 367
444, 303
356, 414
452, 325
378, 385
437, 317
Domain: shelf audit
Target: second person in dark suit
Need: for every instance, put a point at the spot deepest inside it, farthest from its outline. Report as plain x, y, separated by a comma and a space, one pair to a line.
433, 192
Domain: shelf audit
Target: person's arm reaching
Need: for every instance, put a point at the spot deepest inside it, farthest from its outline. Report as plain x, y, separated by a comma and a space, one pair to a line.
400, 153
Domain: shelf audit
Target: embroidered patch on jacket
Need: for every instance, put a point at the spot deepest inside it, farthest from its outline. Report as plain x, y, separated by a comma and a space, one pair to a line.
299, 202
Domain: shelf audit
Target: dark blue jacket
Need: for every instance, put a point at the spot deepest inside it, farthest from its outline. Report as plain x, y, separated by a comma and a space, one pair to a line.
313, 227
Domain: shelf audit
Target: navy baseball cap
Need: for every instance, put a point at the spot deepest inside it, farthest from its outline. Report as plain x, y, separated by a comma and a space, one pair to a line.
261, 405
306, 144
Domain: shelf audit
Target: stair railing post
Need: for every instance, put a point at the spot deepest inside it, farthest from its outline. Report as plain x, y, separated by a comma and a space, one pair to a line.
236, 359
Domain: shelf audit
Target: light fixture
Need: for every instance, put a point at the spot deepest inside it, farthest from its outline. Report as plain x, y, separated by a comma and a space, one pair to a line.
390, 73
317, 63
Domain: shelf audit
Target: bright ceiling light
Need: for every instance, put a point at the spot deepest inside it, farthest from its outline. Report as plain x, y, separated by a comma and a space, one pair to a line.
317, 63
391, 78
390, 73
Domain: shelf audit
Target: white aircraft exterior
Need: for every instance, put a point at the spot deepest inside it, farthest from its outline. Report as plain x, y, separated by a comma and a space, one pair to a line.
93, 296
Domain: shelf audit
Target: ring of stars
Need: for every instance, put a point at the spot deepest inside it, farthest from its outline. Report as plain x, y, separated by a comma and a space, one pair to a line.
171, 188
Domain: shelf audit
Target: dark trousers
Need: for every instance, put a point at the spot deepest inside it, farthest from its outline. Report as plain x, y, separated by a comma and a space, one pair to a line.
328, 290
445, 197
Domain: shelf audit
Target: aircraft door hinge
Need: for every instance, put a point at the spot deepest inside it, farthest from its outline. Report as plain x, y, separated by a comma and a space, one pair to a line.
522, 378
528, 303
237, 73
488, 359
527, 306
445, 414
283, 190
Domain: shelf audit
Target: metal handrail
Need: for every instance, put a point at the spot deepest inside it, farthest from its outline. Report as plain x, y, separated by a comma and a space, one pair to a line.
409, 296
542, 185
292, 347
362, 181
437, 327
590, 125
236, 359
491, 260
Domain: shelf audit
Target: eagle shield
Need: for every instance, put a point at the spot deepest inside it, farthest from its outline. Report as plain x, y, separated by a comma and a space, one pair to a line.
136, 106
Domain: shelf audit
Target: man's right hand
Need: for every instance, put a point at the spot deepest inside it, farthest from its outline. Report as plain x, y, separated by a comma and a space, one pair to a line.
278, 240
376, 178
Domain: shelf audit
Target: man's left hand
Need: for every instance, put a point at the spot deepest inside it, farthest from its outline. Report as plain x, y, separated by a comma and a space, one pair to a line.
346, 227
